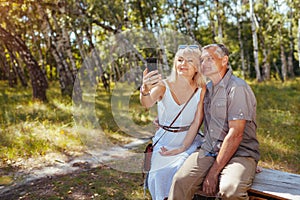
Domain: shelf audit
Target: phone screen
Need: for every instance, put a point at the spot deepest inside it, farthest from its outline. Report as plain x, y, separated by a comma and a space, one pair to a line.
151, 64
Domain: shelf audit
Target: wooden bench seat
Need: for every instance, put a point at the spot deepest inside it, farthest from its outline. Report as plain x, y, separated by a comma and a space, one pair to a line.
271, 184
276, 184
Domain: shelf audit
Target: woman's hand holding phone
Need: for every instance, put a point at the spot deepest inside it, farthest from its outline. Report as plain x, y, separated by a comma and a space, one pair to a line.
150, 80
151, 67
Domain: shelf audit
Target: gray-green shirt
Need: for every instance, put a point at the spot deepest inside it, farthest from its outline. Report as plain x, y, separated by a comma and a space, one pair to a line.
231, 99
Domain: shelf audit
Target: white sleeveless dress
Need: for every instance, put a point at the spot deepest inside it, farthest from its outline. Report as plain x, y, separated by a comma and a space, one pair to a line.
163, 168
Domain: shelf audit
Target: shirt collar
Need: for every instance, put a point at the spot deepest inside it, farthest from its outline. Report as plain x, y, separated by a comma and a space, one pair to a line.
223, 82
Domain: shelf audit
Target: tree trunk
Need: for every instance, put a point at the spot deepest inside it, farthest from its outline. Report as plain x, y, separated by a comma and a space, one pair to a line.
16, 71
265, 64
37, 42
12, 75
77, 91
213, 27
299, 42
86, 62
282, 55
102, 75
11, 71
139, 5
277, 71
97, 60
12, 79
58, 44
19, 70
283, 63
38, 82
219, 21
291, 51
66, 79
239, 24
248, 62
290, 69
291, 73
187, 23
5, 64
255, 42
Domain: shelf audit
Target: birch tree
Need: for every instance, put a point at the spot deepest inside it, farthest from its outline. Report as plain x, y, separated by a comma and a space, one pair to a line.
299, 41
255, 42
241, 43
218, 13
290, 67
266, 29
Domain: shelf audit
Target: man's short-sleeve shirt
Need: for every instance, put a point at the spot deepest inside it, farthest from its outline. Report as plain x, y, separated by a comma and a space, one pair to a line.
231, 99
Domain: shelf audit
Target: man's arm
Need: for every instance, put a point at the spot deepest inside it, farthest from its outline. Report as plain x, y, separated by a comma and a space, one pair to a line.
229, 147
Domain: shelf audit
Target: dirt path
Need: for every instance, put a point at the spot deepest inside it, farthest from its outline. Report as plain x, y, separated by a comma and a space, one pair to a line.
59, 166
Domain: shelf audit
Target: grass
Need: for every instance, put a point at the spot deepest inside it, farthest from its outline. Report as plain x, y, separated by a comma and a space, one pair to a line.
98, 183
31, 129
278, 117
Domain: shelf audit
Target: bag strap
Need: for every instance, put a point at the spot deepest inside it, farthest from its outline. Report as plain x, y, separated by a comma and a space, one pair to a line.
177, 116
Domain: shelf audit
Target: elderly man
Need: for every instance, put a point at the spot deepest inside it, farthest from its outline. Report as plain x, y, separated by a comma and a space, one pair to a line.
225, 164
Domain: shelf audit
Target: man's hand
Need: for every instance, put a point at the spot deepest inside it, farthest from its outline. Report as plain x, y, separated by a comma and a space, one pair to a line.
210, 184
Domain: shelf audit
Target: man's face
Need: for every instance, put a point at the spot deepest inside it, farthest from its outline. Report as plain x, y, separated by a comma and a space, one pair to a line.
211, 62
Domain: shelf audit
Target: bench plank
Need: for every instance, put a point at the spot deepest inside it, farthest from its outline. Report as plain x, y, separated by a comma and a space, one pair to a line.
277, 184
270, 184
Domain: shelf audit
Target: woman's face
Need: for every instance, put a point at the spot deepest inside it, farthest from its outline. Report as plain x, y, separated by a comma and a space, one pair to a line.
186, 65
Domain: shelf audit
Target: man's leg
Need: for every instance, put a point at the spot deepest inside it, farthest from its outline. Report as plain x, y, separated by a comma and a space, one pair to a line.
191, 174
237, 177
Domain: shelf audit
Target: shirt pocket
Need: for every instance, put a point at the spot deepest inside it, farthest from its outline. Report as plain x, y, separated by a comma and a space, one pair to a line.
219, 109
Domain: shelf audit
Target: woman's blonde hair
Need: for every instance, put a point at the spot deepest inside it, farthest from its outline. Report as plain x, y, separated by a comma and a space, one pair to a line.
195, 53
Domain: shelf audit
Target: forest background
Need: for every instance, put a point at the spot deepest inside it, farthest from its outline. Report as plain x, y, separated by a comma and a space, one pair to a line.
70, 72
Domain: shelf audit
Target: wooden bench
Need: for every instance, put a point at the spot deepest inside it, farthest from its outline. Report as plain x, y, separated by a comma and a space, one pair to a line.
271, 184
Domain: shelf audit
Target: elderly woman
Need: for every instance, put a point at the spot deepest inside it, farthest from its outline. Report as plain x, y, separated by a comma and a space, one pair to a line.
177, 142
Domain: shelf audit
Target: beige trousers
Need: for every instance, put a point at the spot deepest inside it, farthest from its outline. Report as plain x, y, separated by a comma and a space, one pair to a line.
235, 179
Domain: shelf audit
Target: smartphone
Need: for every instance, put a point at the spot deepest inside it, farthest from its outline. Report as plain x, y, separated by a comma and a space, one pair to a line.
151, 64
